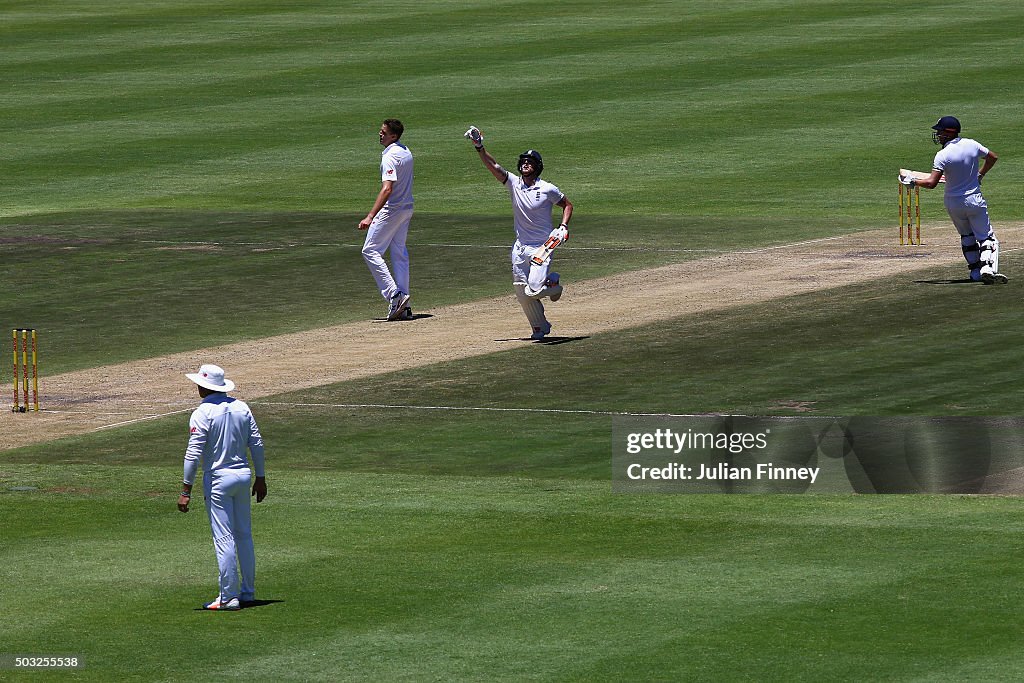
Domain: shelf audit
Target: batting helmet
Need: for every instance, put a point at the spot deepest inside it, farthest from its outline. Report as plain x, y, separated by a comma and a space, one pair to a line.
534, 157
946, 128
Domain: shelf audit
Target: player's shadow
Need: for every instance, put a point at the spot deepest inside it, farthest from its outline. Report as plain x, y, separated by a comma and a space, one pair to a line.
546, 341
961, 281
551, 341
248, 604
415, 316
259, 603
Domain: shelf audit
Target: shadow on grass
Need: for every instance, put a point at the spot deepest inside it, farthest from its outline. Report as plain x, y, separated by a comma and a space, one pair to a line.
549, 341
415, 316
961, 281
245, 604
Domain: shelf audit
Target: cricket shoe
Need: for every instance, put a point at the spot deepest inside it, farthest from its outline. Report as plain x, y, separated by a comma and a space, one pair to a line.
554, 289
994, 278
541, 332
399, 302
407, 314
232, 605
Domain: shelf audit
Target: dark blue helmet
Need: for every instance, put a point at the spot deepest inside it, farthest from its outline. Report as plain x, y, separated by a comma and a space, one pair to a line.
946, 128
534, 156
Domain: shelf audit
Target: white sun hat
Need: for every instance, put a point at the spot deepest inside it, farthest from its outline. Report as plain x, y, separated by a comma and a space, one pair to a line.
211, 377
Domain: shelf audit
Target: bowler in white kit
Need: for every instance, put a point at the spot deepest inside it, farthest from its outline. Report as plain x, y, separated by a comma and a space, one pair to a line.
221, 430
387, 223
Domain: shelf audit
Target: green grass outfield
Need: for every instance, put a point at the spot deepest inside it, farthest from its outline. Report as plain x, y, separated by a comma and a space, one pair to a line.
153, 153
425, 577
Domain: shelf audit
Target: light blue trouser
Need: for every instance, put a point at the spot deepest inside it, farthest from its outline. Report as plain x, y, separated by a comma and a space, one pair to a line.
228, 507
970, 216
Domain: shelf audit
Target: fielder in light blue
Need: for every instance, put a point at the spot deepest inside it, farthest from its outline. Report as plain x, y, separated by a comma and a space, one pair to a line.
221, 430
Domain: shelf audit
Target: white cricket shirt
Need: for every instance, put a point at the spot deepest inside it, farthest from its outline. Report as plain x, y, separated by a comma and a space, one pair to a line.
959, 161
531, 208
396, 166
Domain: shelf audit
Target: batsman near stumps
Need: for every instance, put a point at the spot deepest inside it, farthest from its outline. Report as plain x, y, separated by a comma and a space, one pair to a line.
958, 164
533, 200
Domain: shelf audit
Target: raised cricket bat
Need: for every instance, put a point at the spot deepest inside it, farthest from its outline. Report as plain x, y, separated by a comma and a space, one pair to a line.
545, 250
918, 175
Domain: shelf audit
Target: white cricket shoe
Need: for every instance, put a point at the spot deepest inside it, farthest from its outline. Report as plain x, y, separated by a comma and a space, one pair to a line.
399, 302
541, 332
232, 605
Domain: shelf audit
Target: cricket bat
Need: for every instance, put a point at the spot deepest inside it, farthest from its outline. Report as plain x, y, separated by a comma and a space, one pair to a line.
545, 250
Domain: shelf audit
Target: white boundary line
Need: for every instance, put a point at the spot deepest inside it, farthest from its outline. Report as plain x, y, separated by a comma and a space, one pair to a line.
555, 411
292, 245
143, 419
347, 245
505, 247
558, 411
387, 406
460, 408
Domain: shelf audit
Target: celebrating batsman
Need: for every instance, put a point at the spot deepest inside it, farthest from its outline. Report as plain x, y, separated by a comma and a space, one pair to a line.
958, 160
533, 200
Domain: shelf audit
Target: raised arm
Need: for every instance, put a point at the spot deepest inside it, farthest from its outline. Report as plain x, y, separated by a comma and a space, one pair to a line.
477, 138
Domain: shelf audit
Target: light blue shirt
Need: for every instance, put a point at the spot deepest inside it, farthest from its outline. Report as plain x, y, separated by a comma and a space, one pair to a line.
220, 431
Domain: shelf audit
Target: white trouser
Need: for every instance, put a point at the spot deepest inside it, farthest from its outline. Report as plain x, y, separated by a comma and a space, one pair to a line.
526, 274
388, 231
533, 309
525, 271
228, 507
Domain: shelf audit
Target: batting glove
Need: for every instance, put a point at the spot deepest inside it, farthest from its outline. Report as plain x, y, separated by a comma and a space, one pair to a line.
476, 136
561, 233
907, 180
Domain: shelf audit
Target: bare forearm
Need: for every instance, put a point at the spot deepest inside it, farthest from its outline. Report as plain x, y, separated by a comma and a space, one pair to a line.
380, 201
378, 204
492, 165
566, 211
990, 161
